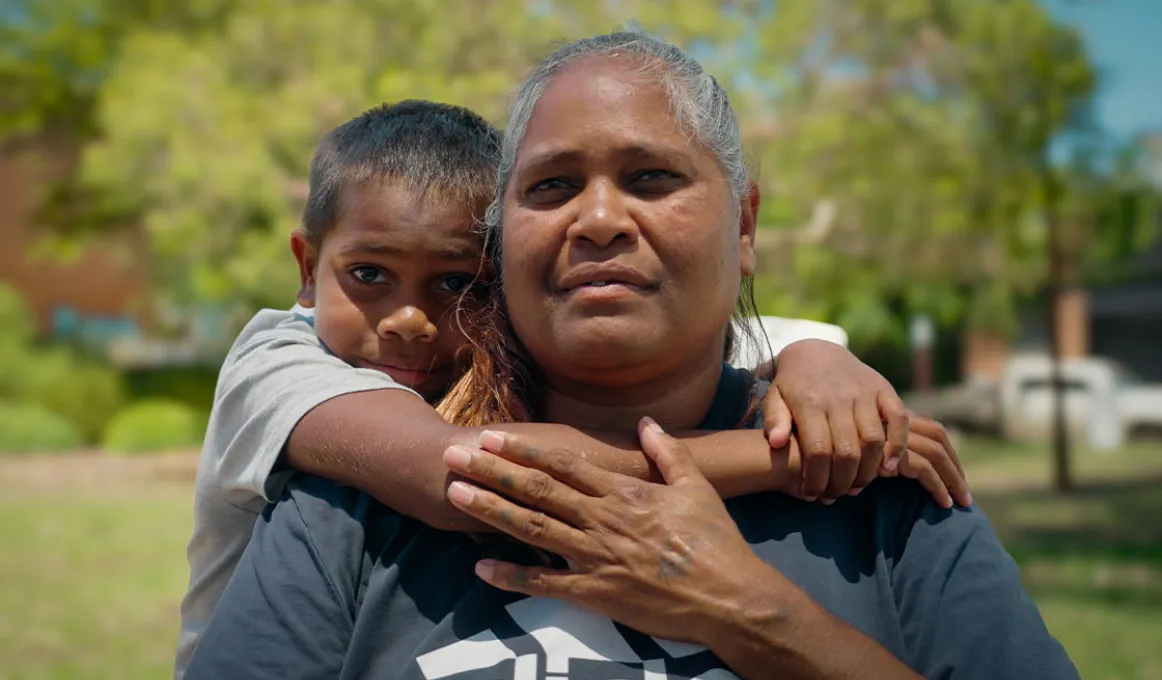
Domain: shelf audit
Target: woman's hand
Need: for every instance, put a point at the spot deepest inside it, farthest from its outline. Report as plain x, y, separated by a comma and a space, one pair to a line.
665, 559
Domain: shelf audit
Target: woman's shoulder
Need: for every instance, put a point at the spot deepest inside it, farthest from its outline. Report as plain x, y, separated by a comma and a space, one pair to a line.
907, 518
330, 512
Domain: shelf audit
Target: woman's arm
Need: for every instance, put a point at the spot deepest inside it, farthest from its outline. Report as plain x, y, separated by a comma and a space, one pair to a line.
777, 625
287, 610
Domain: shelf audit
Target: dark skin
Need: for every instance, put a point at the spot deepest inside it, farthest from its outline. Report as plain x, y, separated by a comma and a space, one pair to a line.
387, 442
665, 559
384, 282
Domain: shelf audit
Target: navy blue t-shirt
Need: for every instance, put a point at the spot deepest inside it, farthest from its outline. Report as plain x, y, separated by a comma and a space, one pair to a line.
336, 585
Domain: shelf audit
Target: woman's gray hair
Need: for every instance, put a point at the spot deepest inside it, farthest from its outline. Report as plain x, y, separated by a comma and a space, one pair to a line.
697, 102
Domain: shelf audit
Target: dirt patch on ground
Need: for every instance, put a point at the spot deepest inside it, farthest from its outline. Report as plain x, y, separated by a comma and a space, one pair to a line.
94, 471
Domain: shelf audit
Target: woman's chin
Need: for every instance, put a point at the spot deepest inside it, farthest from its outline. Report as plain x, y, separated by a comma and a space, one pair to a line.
605, 344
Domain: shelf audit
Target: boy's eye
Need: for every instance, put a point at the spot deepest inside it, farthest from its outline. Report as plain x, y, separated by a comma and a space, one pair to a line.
456, 283
365, 273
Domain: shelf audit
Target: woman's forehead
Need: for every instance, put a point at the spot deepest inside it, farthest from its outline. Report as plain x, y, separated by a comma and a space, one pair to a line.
618, 100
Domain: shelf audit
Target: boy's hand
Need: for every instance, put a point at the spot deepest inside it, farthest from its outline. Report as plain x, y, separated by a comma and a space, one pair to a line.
838, 407
931, 460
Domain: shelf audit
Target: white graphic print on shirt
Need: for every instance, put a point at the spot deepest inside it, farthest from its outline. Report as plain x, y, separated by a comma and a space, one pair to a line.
575, 644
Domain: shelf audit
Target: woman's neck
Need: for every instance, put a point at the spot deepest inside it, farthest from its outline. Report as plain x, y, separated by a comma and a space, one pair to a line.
677, 400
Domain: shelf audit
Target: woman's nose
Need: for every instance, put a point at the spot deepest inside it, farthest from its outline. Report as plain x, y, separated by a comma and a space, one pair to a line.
409, 323
602, 218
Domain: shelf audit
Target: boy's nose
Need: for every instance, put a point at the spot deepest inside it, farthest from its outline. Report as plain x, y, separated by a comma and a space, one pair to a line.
409, 323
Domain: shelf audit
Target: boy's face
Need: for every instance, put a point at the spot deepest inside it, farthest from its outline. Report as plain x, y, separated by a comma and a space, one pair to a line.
385, 282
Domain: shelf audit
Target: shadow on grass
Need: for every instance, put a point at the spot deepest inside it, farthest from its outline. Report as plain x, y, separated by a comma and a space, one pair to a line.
1100, 544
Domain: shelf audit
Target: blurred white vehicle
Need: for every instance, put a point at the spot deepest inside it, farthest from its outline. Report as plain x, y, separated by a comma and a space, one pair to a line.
1104, 404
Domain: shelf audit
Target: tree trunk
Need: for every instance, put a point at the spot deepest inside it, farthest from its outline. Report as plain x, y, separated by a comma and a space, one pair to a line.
1062, 470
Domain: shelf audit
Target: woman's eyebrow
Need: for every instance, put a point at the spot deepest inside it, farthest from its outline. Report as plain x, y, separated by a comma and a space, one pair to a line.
539, 160
549, 158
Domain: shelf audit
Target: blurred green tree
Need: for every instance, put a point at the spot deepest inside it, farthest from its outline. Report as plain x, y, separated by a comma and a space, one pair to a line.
903, 145
906, 162
203, 137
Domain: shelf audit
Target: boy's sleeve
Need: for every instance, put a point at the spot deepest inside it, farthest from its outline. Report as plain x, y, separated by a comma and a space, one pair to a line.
964, 613
276, 372
288, 611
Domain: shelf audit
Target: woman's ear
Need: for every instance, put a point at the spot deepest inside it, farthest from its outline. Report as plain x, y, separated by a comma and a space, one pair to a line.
747, 224
308, 259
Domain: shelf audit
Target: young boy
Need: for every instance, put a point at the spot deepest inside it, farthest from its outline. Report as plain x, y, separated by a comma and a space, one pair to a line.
340, 386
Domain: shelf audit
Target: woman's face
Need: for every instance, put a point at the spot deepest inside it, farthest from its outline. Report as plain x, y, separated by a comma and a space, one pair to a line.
623, 245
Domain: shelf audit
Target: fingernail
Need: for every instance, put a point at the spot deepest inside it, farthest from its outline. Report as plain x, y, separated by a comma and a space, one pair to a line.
892, 463
967, 497
810, 499
457, 457
485, 569
652, 425
460, 493
828, 501
855, 492
491, 441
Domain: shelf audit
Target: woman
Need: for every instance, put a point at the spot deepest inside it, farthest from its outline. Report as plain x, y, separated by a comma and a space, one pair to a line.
627, 230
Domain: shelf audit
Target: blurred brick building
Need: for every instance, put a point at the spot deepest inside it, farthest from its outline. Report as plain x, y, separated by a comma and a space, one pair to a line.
104, 284
1120, 321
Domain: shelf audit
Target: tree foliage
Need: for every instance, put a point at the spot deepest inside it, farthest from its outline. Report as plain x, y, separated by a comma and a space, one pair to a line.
925, 129
903, 144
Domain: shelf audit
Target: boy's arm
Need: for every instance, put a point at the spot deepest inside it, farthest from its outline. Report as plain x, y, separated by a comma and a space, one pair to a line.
275, 373
390, 444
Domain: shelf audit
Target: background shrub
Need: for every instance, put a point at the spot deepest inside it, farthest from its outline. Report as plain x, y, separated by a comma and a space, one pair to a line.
31, 428
153, 426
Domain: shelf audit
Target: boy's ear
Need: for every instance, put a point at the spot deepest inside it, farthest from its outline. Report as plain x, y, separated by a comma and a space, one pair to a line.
308, 258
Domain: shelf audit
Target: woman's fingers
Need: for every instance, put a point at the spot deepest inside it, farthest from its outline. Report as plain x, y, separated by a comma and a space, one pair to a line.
565, 466
532, 487
672, 457
529, 526
534, 581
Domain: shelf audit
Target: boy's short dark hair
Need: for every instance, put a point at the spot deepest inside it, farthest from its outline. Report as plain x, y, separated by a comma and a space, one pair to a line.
430, 145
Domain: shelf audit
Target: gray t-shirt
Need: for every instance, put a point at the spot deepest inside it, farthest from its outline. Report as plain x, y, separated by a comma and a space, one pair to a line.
274, 374
335, 585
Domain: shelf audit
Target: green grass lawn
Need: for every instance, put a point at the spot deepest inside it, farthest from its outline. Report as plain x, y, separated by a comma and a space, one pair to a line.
91, 574
89, 586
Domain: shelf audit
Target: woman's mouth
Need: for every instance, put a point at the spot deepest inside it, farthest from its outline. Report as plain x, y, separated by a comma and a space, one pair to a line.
599, 291
604, 281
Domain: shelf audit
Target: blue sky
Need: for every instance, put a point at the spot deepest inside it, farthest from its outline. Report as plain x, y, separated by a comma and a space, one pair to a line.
1125, 41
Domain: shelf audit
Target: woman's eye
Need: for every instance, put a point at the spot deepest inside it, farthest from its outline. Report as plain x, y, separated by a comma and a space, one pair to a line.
550, 191
651, 176
548, 185
368, 274
456, 283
